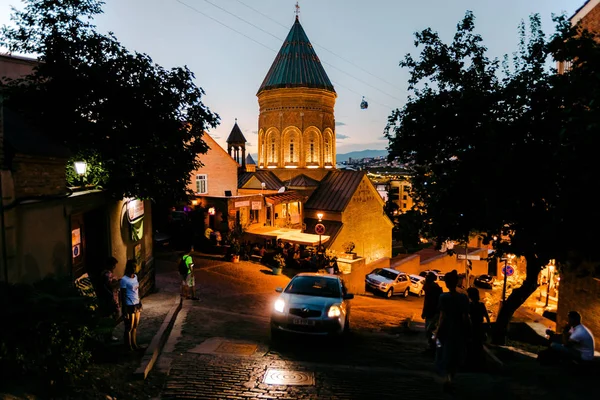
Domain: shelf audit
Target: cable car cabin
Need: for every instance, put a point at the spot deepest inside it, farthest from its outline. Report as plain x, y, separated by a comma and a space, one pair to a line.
363, 104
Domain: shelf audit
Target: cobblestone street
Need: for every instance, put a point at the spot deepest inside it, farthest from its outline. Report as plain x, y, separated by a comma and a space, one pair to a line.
220, 348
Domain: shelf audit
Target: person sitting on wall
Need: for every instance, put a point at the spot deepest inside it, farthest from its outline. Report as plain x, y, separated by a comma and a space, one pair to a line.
576, 342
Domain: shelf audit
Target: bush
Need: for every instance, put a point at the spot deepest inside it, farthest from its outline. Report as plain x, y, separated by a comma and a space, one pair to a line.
48, 332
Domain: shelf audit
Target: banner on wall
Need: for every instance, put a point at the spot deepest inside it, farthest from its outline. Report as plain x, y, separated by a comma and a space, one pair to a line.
135, 216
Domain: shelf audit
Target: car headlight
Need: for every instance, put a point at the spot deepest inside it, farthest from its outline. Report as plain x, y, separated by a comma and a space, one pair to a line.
334, 311
279, 305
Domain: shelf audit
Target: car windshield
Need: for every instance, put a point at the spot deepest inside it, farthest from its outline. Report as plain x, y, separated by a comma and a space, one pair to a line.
387, 274
314, 286
415, 279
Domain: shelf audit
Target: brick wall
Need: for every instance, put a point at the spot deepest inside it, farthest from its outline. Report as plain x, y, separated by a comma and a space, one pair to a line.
37, 176
220, 169
591, 21
582, 295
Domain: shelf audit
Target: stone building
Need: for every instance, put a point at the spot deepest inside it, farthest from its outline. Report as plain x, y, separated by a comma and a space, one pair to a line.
297, 150
47, 228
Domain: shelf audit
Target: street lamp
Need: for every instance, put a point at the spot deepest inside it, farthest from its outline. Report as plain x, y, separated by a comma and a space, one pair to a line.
320, 217
80, 168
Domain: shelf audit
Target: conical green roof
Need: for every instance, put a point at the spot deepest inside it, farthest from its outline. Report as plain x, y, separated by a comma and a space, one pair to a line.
296, 64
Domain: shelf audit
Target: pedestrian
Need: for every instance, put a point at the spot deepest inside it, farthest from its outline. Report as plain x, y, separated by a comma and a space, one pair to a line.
477, 314
430, 311
132, 305
186, 270
452, 331
108, 299
577, 342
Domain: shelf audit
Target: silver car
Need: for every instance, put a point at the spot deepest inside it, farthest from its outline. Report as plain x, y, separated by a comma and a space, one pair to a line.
313, 304
388, 281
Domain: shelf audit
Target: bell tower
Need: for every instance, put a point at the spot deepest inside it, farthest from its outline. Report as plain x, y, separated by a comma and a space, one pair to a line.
236, 145
296, 123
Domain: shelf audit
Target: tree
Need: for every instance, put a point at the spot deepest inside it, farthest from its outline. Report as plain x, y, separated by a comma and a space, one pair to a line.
143, 124
507, 155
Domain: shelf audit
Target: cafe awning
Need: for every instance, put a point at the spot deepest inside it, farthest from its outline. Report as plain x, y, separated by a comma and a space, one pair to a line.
287, 235
286, 197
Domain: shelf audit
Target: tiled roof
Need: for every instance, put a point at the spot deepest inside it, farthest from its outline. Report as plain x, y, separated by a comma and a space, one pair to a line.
296, 65
332, 228
269, 178
302, 181
236, 135
335, 191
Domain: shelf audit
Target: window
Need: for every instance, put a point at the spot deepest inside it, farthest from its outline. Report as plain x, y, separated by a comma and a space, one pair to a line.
327, 155
292, 152
403, 205
404, 197
312, 151
201, 185
273, 151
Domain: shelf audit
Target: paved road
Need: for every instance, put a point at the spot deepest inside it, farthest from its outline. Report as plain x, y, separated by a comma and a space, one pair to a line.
220, 348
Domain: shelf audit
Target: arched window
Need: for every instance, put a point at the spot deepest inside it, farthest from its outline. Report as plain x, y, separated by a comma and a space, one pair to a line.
292, 150
312, 150
327, 152
273, 151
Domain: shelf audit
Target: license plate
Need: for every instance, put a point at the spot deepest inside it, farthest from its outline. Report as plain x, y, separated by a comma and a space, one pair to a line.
300, 321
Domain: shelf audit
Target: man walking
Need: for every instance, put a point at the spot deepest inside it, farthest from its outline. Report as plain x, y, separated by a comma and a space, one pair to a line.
430, 307
186, 270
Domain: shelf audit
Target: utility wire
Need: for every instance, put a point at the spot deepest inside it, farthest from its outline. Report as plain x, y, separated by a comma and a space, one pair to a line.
324, 48
275, 51
226, 26
281, 40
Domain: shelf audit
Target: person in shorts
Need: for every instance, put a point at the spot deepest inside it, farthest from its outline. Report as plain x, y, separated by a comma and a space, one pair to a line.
188, 282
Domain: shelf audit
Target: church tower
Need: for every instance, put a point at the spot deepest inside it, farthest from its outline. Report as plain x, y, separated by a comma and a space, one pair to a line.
236, 145
296, 123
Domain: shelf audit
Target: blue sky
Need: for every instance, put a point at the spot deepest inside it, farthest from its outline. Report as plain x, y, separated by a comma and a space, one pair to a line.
230, 45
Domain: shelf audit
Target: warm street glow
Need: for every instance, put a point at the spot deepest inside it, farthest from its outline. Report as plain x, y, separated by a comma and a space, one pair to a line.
211, 211
320, 216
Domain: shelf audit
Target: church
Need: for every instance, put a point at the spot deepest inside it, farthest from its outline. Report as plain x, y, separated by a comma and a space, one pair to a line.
294, 185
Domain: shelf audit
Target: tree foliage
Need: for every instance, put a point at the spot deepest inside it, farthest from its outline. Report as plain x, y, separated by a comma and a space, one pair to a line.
141, 122
504, 150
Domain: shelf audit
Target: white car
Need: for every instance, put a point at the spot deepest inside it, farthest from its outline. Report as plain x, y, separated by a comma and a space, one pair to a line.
416, 285
312, 304
388, 281
439, 275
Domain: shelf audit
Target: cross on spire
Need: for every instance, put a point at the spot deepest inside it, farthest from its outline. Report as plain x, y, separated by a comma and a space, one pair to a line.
297, 12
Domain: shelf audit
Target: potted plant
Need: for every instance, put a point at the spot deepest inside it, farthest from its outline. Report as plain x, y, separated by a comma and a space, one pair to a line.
348, 247
278, 264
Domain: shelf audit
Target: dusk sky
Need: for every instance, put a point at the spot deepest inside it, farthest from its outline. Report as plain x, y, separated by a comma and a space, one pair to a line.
230, 45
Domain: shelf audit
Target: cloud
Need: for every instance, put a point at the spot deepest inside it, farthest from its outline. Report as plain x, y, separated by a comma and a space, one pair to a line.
340, 136
339, 123
214, 136
255, 132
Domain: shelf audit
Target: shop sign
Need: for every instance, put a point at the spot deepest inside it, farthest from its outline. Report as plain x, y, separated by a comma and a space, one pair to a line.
239, 204
257, 205
135, 210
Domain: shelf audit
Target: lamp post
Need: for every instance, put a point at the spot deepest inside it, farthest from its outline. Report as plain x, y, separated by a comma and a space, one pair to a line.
80, 168
550, 271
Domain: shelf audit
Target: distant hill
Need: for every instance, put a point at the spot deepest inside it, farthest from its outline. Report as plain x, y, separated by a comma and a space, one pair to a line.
361, 154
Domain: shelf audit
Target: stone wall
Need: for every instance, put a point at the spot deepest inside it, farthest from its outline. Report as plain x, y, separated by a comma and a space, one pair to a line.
35, 176
582, 295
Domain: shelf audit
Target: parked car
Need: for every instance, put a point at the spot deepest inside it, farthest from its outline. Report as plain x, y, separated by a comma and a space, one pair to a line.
312, 304
439, 275
416, 285
484, 281
389, 282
